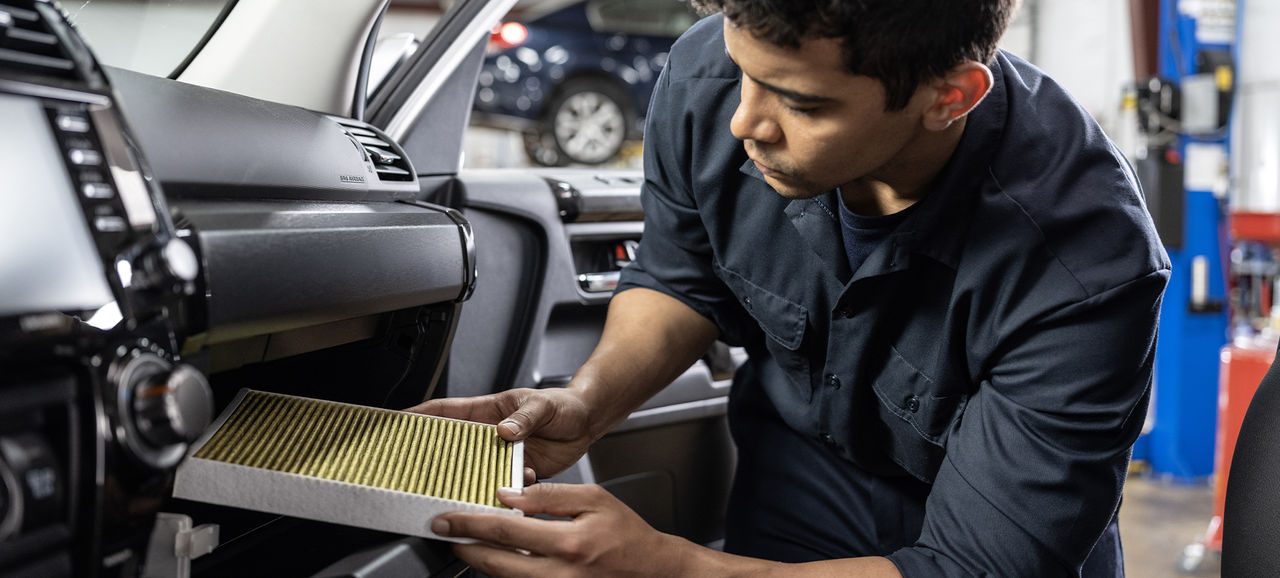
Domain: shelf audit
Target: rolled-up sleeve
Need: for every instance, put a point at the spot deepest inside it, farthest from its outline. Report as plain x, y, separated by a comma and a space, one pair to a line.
1035, 466
675, 255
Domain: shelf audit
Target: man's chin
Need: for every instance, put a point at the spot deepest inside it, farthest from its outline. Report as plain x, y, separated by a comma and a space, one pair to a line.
793, 190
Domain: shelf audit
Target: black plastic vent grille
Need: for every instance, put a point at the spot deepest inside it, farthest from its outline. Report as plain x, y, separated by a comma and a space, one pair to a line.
27, 43
388, 160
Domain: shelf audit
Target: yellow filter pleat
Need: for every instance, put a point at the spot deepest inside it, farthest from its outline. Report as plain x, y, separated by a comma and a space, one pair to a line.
260, 434
365, 471
317, 438
472, 474
429, 484
217, 447
495, 470
289, 442
333, 457
378, 448
481, 471
445, 485
344, 466
413, 445
325, 448
423, 472
394, 456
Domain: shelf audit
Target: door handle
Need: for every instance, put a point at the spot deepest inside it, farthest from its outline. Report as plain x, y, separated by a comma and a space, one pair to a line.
599, 282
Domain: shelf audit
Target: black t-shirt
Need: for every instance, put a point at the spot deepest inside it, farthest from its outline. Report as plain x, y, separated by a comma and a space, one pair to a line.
862, 234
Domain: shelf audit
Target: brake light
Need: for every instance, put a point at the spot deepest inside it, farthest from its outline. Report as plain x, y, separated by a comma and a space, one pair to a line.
508, 35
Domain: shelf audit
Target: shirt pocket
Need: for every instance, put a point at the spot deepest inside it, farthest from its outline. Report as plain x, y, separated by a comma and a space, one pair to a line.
783, 322
914, 416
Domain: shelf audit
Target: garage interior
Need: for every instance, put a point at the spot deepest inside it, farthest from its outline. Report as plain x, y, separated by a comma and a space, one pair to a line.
231, 264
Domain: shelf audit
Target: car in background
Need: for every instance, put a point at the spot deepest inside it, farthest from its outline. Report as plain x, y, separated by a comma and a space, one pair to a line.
575, 77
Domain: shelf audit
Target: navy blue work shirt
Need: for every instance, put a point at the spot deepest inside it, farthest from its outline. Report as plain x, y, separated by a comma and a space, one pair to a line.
998, 345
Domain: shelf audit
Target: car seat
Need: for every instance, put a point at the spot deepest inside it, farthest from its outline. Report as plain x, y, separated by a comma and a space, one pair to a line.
1251, 522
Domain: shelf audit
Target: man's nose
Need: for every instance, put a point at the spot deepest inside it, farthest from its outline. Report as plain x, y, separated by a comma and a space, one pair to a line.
751, 120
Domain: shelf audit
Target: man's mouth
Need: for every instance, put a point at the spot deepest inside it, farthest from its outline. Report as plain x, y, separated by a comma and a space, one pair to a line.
766, 170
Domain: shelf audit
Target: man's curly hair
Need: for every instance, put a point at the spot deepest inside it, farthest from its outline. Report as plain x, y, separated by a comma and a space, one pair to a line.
901, 43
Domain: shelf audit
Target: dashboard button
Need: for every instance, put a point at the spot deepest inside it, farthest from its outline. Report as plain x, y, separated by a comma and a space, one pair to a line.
84, 157
98, 190
73, 123
110, 224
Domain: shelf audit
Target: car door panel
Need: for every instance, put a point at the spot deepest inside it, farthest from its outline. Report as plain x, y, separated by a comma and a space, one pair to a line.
531, 323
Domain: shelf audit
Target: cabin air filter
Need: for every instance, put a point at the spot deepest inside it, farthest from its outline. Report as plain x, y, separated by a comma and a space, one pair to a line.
373, 468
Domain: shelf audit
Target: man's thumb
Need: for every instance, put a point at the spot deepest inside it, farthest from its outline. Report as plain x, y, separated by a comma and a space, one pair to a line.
534, 413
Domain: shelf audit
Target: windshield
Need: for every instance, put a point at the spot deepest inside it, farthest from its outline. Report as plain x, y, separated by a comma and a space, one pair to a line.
148, 36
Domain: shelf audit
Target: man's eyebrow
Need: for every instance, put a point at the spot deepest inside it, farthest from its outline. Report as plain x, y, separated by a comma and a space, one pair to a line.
799, 97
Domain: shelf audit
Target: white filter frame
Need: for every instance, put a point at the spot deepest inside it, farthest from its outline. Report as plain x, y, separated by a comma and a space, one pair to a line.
319, 499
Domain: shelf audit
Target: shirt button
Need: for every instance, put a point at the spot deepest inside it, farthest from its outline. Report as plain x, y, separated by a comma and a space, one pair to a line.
843, 313
827, 439
746, 301
832, 381
913, 404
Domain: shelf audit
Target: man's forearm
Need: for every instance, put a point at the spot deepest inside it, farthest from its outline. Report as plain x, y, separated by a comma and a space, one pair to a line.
649, 339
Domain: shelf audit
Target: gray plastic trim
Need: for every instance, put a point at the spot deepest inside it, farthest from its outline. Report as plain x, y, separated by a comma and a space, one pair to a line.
201, 142
275, 266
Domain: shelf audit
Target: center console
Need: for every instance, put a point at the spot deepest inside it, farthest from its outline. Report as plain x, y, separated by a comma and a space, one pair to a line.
96, 404
150, 268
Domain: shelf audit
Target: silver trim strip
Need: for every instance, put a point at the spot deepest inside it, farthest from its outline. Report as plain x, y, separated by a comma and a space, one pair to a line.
476, 30
41, 91
124, 168
657, 416
599, 282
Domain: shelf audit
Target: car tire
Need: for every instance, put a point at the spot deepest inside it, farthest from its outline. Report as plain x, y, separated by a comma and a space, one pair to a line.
587, 122
542, 150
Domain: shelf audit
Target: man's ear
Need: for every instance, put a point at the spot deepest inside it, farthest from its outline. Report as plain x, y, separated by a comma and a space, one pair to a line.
956, 93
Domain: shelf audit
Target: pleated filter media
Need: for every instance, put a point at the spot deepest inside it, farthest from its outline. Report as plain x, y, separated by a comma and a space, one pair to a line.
362, 466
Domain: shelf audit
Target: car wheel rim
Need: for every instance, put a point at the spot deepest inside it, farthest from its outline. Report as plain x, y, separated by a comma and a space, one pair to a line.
590, 127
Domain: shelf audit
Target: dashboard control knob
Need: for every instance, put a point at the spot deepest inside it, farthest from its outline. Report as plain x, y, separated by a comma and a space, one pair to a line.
180, 261
10, 502
158, 408
172, 264
31, 483
174, 407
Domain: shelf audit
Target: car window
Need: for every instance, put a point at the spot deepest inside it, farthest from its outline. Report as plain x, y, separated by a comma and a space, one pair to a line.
155, 36
668, 18
145, 36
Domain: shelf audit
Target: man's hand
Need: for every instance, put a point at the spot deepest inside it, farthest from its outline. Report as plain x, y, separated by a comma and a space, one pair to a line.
602, 538
554, 423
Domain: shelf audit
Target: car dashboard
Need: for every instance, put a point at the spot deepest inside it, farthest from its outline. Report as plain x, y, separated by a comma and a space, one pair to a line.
167, 245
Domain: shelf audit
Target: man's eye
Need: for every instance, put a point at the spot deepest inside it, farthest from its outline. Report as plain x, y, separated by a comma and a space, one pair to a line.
804, 111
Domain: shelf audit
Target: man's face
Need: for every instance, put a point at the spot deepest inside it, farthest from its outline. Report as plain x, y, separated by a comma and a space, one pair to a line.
809, 124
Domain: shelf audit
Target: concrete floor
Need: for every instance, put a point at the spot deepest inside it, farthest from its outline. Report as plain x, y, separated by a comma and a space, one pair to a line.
1157, 521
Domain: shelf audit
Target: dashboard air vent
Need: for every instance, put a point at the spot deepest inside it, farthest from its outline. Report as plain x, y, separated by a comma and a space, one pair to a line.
27, 43
388, 159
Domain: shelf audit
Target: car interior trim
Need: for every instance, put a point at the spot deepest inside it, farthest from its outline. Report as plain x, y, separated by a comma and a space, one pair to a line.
213, 29
476, 30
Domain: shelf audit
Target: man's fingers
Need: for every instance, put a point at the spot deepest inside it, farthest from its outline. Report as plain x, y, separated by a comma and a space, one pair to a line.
499, 562
453, 407
535, 412
530, 477
565, 500
545, 537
